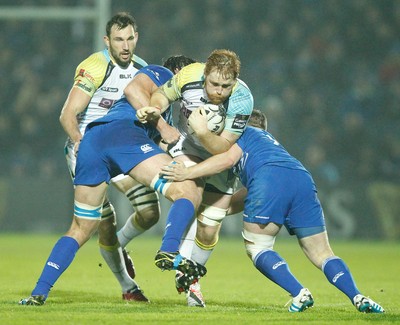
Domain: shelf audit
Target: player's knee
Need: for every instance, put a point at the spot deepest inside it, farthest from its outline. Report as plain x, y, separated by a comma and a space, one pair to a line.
86, 211
143, 198
257, 243
212, 216
146, 218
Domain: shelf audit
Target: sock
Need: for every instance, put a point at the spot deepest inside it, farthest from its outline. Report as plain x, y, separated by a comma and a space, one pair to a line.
129, 231
115, 261
275, 268
201, 254
187, 242
179, 217
60, 258
338, 274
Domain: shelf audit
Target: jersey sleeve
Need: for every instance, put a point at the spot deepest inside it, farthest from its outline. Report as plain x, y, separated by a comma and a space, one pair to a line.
239, 109
90, 73
187, 75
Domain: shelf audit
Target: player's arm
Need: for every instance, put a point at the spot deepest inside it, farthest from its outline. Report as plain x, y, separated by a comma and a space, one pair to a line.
212, 142
177, 171
138, 93
160, 100
76, 102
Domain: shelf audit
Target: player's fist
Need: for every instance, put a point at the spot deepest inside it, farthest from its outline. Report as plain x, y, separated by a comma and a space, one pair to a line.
148, 113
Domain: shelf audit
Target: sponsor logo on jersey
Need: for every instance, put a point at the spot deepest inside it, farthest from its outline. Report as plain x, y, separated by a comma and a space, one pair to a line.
125, 76
240, 121
109, 89
192, 85
83, 86
106, 103
146, 148
83, 73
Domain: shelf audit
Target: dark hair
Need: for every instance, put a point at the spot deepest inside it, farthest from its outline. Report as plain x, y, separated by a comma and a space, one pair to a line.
122, 20
177, 62
258, 119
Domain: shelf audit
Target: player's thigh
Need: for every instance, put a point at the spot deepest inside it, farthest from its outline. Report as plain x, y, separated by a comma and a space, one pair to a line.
90, 195
270, 228
219, 200
145, 171
123, 183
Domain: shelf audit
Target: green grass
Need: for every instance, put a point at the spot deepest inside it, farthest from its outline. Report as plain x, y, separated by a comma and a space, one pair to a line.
235, 292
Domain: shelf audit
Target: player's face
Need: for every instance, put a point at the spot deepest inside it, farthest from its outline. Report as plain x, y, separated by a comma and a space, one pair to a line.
218, 87
121, 44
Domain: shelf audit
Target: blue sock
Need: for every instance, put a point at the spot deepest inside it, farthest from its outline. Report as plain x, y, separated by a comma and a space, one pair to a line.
338, 274
60, 258
276, 269
179, 217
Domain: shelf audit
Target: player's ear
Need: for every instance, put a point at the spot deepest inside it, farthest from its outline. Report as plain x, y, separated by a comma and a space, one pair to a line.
106, 41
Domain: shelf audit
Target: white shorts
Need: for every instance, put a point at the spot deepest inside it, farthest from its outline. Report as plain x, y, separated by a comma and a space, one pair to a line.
223, 182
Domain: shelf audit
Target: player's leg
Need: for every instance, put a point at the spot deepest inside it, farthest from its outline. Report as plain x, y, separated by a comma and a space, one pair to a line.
317, 249
145, 203
87, 213
113, 254
259, 241
186, 197
146, 206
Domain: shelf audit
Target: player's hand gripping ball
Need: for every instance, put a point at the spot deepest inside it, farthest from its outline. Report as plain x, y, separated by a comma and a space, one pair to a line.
215, 118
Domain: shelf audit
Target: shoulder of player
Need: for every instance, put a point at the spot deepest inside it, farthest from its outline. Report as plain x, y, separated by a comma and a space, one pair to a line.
138, 62
191, 73
93, 67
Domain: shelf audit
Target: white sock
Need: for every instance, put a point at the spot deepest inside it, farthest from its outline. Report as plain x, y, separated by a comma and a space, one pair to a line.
115, 262
128, 232
187, 242
200, 255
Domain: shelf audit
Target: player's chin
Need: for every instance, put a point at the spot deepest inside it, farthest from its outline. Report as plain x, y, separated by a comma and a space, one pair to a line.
216, 101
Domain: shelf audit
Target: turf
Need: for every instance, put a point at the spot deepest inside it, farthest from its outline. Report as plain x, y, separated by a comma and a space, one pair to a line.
235, 292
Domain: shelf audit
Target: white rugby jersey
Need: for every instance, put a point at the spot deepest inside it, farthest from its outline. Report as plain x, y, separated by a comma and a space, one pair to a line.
104, 81
188, 87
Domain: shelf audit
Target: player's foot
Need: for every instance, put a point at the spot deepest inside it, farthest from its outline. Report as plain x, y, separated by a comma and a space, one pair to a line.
130, 267
33, 301
194, 296
175, 261
302, 301
367, 305
135, 295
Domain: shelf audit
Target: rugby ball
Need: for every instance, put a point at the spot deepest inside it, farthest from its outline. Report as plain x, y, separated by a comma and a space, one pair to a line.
215, 118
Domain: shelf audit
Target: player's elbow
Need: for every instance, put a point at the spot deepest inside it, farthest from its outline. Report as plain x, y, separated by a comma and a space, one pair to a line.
229, 163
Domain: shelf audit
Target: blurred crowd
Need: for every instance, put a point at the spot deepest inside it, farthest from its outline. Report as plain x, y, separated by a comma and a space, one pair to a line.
326, 73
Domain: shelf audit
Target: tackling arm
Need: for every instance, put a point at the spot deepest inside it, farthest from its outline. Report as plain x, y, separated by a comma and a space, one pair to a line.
213, 165
139, 93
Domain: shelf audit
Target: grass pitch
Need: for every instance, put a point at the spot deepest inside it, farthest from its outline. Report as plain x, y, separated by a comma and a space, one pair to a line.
235, 292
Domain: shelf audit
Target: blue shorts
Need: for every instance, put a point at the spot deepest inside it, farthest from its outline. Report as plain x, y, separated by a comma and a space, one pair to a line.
284, 196
112, 148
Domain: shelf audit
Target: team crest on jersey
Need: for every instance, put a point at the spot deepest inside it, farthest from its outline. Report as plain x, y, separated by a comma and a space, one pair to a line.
240, 121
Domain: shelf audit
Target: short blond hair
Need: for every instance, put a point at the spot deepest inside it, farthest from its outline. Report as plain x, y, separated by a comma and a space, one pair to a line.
226, 62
